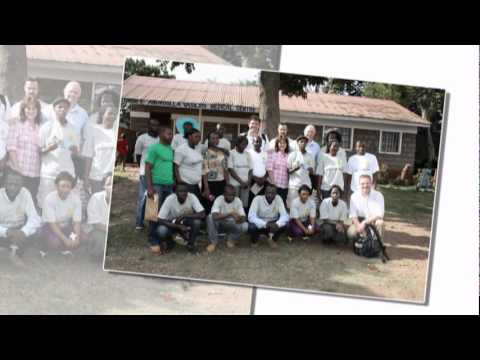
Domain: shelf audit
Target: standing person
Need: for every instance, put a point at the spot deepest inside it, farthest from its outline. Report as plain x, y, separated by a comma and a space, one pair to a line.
222, 142
300, 169
330, 170
59, 142
240, 167
142, 145
334, 135
267, 217
188, 162
122, 151
282, 132
106, 97
258, 158
19, 220
159, 172
361, 163
303, 214
4, 108
254, 132
312, 146
333, 214
99, 151
277, 166
214, 171
62, 216
367, 206
23, 145
227, 216
185, 127
180, 213
31, 91
97, 215
4, 129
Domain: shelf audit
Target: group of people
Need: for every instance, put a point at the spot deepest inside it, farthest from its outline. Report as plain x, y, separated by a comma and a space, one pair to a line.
56, 164
260, 187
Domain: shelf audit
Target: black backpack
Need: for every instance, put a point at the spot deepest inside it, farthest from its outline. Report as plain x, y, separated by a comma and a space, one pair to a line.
370, 245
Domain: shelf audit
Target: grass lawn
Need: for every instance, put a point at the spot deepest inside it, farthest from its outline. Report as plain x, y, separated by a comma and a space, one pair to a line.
301, 265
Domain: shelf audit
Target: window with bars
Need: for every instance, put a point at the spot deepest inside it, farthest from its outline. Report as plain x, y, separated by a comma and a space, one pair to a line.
390, 142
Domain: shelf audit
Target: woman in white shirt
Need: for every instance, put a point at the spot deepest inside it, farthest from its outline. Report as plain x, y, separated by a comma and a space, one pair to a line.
99, 150
330, 170
301, 167
62, 216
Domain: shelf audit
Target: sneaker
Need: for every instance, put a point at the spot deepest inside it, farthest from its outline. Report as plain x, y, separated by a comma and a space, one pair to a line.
139, 228
156, 250
230, 244
211, 248
180, 240
290, 239
272, 243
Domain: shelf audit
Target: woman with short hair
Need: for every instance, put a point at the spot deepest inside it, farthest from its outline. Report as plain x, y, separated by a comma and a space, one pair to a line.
330, 170
277, 166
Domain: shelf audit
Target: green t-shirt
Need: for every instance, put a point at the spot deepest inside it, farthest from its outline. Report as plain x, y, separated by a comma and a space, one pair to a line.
161, 158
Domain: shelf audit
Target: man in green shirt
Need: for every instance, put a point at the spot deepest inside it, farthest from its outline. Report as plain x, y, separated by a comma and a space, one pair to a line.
159, 171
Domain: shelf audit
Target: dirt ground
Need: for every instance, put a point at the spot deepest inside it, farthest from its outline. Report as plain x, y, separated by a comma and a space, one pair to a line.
301, 265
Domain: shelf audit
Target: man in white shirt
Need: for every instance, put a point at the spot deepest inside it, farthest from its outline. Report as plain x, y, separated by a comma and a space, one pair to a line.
240, 168
141, 146
227, 216
180, 213
367, 206
283, 133
97, 214
19, 220
258, 159
267, 217
59, 141
333, 214
361, 163
254, 132
31, 89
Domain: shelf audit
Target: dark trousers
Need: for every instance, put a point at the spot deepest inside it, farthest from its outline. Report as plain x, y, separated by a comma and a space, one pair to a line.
32, 184
252, 195
330, 234
163, 191
163, 234
255, 232
216, 189
283, 194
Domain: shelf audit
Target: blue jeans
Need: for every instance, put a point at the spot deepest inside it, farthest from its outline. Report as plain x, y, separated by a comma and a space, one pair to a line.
142, 187
163, 191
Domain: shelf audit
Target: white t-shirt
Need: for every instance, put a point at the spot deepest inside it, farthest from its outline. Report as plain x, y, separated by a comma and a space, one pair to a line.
335, 213
367, 206
142, 144
258, 162
178, 140
59, 159
189, 163
341, 153
361, 165
62, 212
172, 209
97, 209
5, 110
241, 163
303, 211
3, 138
301, 176
261, 212
250, 139
101, 148
20, 212
292, 145
331, 168
220, 206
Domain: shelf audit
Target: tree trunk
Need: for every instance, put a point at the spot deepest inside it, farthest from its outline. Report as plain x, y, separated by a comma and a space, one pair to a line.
13, 71
430, 144
269, 111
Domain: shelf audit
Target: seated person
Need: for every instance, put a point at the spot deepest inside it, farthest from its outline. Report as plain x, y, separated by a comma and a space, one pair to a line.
227, 216
303, 212
267, 216
367, 206
333, 214
180, 213
97, 214
62, 215
19, 221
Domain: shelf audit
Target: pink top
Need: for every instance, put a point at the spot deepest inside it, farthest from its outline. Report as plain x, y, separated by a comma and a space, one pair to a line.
23, 138
278, 168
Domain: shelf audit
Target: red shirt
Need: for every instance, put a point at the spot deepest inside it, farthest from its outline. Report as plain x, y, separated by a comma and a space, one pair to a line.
122, 146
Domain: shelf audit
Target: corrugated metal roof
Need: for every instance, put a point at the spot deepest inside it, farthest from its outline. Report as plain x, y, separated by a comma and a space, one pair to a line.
169, 91
114, 55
